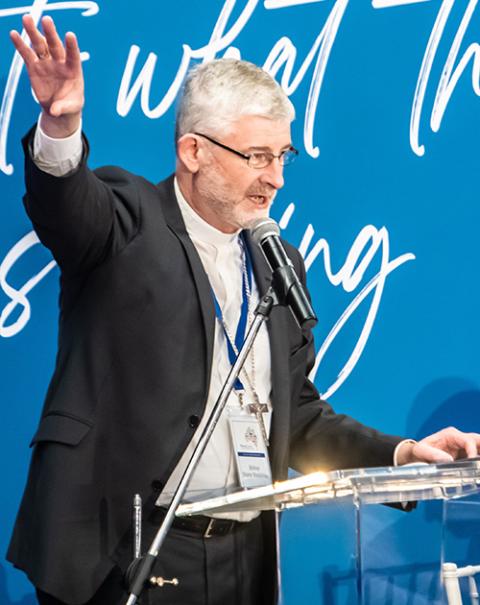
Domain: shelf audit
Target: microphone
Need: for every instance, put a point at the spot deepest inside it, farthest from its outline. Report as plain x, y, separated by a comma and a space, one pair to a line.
288, 288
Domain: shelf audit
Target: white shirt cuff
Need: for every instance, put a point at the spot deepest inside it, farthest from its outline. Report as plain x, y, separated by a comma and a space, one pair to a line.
397, 448
58, 157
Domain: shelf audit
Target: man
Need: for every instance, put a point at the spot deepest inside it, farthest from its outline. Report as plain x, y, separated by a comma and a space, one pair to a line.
154, 280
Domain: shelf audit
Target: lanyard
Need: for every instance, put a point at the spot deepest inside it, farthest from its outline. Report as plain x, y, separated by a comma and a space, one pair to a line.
247, 278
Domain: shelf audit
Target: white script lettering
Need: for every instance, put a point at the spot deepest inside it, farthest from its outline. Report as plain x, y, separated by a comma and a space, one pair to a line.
18, 297
368, 244
283, 53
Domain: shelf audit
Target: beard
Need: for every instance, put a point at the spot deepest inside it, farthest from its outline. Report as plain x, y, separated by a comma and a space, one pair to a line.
231, 207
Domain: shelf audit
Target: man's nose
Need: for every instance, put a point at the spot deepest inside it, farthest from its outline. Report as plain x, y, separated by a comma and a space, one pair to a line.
273, 174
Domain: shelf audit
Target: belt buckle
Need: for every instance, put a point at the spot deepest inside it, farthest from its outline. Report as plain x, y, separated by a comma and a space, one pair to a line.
208, 531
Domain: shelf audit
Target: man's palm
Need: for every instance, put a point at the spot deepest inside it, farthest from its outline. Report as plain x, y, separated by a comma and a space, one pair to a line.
55, 70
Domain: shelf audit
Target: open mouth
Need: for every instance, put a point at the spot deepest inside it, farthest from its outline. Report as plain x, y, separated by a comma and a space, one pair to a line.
259, 200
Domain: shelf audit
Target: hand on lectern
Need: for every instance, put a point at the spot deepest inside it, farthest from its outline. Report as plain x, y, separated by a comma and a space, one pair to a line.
444, 446
55, 73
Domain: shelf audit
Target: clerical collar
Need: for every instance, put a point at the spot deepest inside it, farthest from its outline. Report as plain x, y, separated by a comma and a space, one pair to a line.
197, 227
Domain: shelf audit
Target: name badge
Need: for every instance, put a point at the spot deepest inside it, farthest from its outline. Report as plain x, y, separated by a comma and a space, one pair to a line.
251, 455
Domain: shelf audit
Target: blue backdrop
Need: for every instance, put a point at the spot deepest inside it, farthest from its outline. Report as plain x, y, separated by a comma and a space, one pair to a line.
382, 203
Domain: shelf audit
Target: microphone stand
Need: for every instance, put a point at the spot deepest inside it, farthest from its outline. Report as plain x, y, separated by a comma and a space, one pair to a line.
138, 573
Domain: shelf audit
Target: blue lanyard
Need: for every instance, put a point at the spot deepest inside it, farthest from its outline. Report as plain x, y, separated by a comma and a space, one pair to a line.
247, 279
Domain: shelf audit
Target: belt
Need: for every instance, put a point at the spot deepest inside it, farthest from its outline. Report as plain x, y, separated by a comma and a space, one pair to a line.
204, 527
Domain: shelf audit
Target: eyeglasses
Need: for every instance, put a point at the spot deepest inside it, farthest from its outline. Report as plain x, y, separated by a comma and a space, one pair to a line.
257, 159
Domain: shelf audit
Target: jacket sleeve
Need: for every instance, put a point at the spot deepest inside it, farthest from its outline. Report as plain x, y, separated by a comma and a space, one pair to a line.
84, 216
320, 438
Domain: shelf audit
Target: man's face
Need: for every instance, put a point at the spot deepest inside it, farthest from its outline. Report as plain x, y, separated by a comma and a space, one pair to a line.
227, 192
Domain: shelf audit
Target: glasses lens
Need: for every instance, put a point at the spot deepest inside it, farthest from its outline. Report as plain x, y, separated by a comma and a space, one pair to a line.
264, 158
260, 160
288, 156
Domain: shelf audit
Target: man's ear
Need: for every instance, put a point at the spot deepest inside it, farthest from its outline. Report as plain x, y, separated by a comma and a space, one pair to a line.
189, 152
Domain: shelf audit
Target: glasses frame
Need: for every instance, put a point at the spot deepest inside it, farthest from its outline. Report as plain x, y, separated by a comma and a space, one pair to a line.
247, 157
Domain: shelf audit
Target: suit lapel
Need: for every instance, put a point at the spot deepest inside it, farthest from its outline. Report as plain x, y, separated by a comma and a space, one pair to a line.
279, 348
174, 220
279, 343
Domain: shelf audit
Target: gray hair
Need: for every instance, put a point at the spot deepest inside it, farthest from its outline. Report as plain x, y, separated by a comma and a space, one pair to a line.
216, 93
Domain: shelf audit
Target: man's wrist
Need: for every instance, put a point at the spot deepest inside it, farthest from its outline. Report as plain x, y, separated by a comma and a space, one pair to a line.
57, 156
61, 127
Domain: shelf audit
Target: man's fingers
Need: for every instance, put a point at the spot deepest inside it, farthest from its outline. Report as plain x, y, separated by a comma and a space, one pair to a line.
37, 40
462, 443
55, 45
72, 51
427, 453
447, 445
23, 49
474, 445
470, 443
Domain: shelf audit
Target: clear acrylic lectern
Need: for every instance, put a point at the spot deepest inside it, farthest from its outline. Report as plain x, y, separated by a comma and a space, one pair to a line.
370, 574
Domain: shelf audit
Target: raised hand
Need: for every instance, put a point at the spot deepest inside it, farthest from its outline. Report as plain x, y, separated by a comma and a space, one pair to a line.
55, 73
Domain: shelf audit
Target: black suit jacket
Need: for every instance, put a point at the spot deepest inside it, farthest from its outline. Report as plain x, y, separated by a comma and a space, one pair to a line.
132, 374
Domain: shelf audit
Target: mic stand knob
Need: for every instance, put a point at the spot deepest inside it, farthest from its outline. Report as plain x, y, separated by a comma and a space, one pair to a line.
159, 581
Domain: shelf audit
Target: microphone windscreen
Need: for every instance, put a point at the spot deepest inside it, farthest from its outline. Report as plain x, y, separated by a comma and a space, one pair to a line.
263, 228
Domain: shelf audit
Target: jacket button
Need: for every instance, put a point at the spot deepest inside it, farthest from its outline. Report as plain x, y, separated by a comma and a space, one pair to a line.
193, 421
156, 484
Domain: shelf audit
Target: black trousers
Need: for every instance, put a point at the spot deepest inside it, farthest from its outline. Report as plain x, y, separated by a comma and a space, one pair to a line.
220, 570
